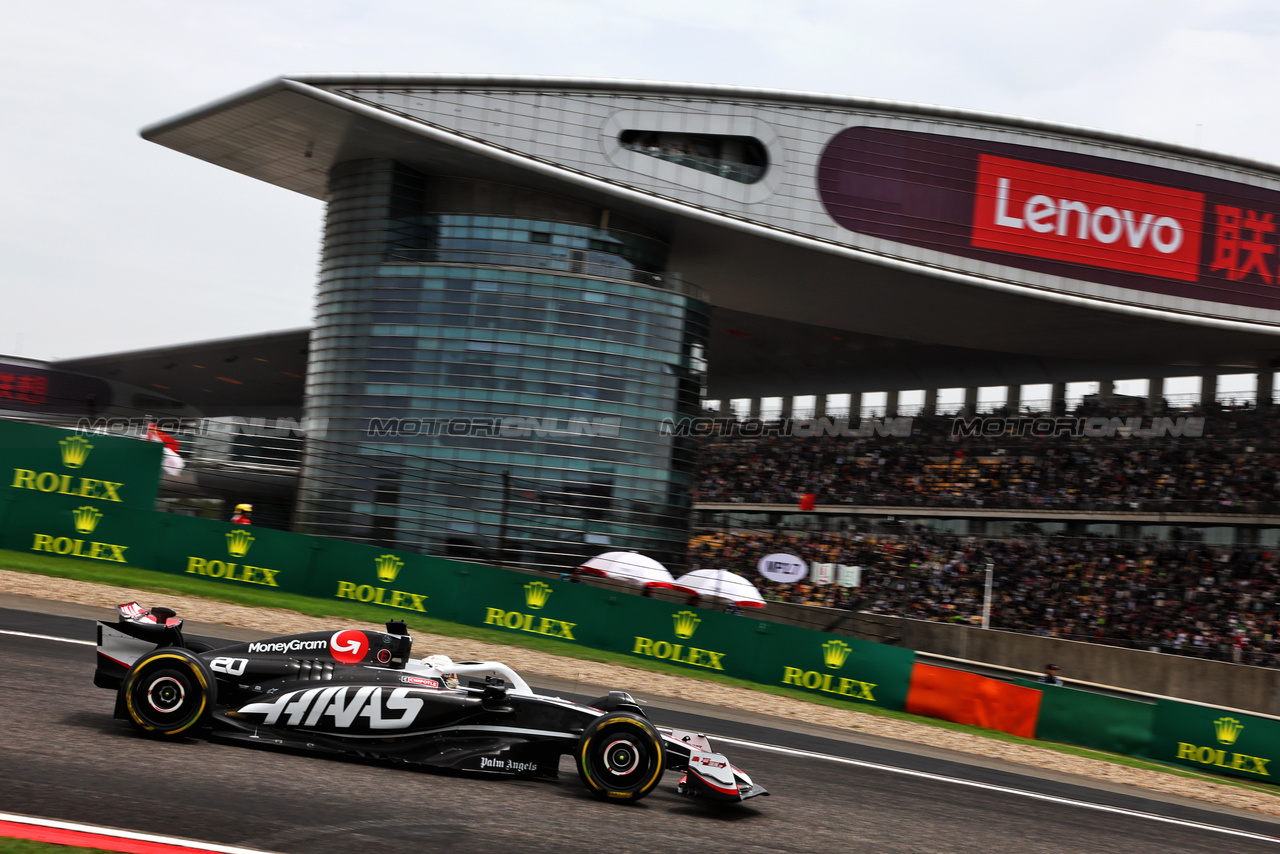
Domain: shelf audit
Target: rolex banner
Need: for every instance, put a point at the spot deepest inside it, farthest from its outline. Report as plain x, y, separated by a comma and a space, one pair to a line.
697, 639
88, 469
234, 556
55, 526
1216, 740
837, 667
542, 606
404, 582
81, 495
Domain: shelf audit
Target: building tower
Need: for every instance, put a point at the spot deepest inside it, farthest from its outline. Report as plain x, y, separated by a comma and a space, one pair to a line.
481, 350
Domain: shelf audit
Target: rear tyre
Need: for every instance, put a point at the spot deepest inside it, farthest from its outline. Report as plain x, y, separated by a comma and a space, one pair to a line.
620, 757
168, 693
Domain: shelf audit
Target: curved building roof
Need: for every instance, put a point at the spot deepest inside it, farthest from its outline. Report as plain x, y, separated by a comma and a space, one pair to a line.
865, 237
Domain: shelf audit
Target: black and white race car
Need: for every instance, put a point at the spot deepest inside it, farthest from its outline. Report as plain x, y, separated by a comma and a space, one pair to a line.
361, 693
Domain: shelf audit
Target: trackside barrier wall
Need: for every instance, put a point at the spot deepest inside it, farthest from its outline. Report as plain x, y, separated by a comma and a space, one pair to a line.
1216, 740
77, 495
967, 698
245, 556
1097, 721
97, 471
1182, 677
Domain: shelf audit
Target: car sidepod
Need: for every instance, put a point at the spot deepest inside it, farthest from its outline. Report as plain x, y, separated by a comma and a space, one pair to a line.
379, 713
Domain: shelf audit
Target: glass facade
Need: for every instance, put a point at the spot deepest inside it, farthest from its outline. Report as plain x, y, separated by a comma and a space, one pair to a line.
493, 366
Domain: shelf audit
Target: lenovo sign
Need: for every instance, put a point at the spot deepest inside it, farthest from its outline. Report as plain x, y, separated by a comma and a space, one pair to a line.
1055, 211
1066, 215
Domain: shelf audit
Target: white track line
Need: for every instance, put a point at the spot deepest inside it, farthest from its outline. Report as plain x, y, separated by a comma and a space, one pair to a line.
993, 788
46, 637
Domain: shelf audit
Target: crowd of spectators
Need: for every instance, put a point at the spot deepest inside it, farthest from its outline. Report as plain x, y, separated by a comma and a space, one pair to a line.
1229, 468
1187, 599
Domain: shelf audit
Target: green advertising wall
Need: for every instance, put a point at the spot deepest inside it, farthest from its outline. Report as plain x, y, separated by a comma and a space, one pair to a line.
245, 556
77, 494
1216, 740
80, 468
699, 639
51, 525
1086, 719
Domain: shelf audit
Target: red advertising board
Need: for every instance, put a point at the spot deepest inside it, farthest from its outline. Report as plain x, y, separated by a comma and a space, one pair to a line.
1068, 215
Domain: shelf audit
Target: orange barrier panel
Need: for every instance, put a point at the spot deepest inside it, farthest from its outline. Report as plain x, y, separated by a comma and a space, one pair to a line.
966, 698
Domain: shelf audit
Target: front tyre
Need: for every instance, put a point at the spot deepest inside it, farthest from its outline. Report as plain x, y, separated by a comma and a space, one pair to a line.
168, 693
619, 757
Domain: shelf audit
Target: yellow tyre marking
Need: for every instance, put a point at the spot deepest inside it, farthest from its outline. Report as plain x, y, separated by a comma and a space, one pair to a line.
128, 697
632, 722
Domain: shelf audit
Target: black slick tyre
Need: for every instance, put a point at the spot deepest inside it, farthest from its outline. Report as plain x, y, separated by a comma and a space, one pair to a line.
620, 757
168, 693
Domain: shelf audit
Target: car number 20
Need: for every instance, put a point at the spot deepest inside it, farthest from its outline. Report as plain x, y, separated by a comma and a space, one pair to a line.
229, 666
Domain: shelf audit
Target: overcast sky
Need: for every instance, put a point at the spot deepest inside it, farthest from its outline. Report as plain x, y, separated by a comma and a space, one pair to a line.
112, 243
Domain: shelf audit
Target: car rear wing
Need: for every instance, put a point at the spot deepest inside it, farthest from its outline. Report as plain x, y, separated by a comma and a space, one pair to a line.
136, 632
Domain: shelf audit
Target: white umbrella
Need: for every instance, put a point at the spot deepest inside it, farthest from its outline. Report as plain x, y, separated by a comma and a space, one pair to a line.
721, 584
630, 567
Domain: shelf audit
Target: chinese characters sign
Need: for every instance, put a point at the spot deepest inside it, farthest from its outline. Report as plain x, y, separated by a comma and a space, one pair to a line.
19, 387
29, 389
1243, 243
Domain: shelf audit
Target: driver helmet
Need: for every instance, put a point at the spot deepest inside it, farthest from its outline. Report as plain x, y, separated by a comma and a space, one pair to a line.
443, 664
244, 508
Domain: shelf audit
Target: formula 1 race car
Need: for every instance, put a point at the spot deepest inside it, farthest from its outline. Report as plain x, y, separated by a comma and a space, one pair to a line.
360, 693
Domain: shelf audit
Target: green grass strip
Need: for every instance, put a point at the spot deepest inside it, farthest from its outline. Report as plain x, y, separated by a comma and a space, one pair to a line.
27, 846
162, 583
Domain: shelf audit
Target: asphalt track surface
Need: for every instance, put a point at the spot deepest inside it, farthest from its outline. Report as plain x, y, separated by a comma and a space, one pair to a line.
63, 757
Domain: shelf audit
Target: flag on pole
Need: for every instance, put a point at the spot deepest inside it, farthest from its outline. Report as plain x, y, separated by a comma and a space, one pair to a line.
170, 461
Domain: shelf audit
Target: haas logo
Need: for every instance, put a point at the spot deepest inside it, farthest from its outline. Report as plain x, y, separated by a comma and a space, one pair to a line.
348, 646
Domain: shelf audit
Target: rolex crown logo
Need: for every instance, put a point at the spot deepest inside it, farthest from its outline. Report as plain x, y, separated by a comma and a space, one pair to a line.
75, 451
388, 567
536, 594
835, 652
238, 542
686, 623
86, 519
1227, 730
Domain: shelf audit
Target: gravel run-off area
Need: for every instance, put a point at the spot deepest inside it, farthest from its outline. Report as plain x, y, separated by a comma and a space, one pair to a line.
648, 683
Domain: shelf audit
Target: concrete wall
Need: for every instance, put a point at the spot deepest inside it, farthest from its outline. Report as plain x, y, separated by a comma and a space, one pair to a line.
1255, 689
